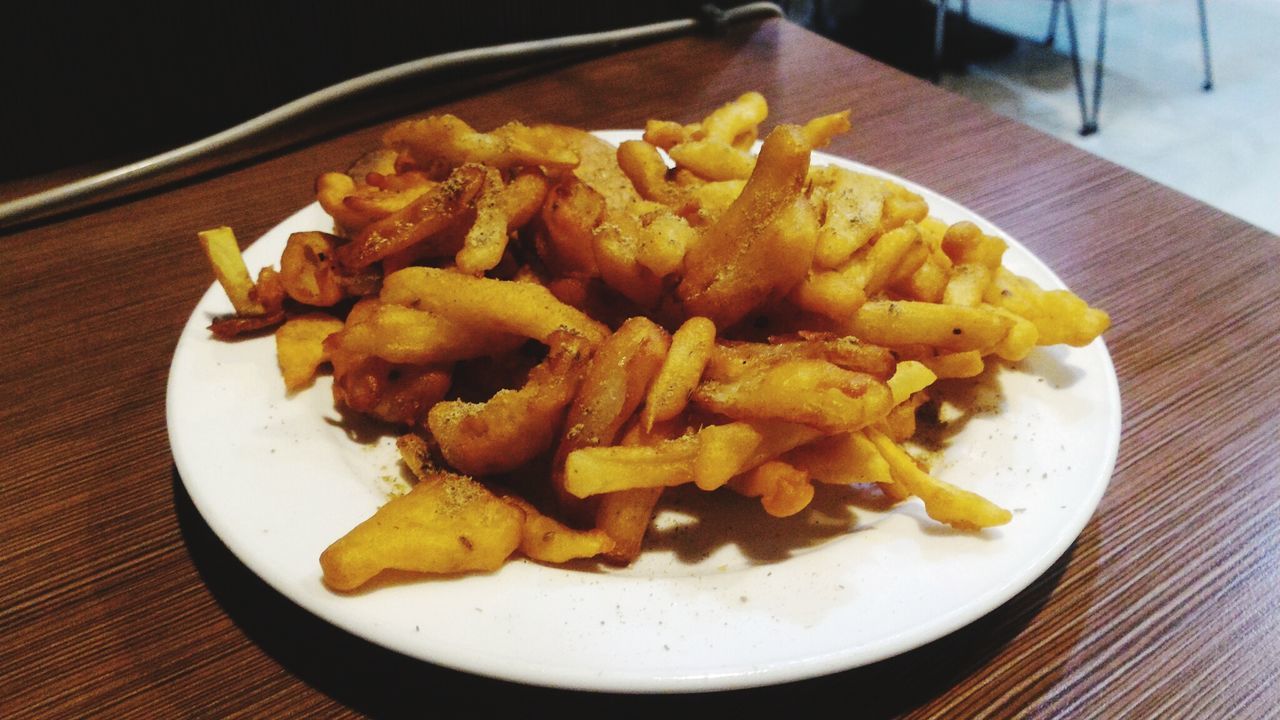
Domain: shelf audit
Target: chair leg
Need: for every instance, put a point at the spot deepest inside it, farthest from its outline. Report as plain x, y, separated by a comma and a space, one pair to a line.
939, 24
1050, 36
1074, 42
1204, 41
1092, 125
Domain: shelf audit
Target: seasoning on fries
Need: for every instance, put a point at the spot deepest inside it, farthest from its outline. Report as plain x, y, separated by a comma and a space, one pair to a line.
565, 329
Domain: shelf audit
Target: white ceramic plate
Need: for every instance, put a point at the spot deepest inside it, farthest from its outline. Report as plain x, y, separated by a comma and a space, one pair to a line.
725, 597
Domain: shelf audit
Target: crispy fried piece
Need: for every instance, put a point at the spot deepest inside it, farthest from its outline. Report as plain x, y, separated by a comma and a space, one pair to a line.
223, 253
572, 212
598, 169
447, 524
945, 364
734, 119
646, 169
514, 426
234, 326
732, 360
445, 142
393, 393
545, 539
625, 517
636, 249
300, 347
842, 459
615, 383
838, 294
427, 216
820, 130
901, 206
947, 327
691, 349
807, 391
416, 455
943, 501
707, 458
763, 245
308, 270
1059, 316
713, 160
400, 334
504, 306
783, 489
501, 209
909, 378
852, 206
667, 134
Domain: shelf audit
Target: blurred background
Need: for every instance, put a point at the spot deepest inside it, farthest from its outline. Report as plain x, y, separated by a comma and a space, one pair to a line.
93, 85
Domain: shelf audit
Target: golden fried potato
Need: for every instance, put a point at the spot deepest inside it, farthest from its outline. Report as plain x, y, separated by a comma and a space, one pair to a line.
943, 502
308, 270
389, 392
691, 348
517, 308
708, 458
820, 130
734, 119
446, 524
842, 459
223, 253
300, 347
435, 211
763, 245
501, 209
909, 378
572, 212
625, 517
947, 327
646, 169
810, 392
545, 539
444, 142
852, 206
1060, 316
401, 334
713, 160
514, 426
614, 385
783, 489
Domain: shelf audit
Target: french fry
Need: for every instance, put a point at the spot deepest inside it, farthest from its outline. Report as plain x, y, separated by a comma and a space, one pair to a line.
522, 309
943, 502
514, 426
446, 524
547, 540
300, 347
691, 348
763, 245
401, 334
947, 327
223, 252
430, 214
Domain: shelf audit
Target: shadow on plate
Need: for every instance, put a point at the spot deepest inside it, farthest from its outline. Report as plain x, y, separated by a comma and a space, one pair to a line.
382, 683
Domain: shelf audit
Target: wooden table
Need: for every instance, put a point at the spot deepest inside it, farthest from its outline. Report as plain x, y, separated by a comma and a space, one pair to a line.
117, 600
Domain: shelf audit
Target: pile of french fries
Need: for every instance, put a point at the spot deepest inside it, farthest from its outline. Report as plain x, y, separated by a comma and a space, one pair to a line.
564, 329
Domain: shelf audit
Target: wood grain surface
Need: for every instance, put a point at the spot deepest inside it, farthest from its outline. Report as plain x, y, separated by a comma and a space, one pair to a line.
117, 600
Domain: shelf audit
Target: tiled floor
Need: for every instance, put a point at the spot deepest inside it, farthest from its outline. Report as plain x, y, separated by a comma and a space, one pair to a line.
1222, 147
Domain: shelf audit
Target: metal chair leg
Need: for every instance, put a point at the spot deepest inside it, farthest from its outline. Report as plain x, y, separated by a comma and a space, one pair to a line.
1204, 41
1088, 116
1053, 24
939, 24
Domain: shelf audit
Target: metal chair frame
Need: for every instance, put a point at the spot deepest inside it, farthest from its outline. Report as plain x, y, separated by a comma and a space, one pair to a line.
1088, 111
